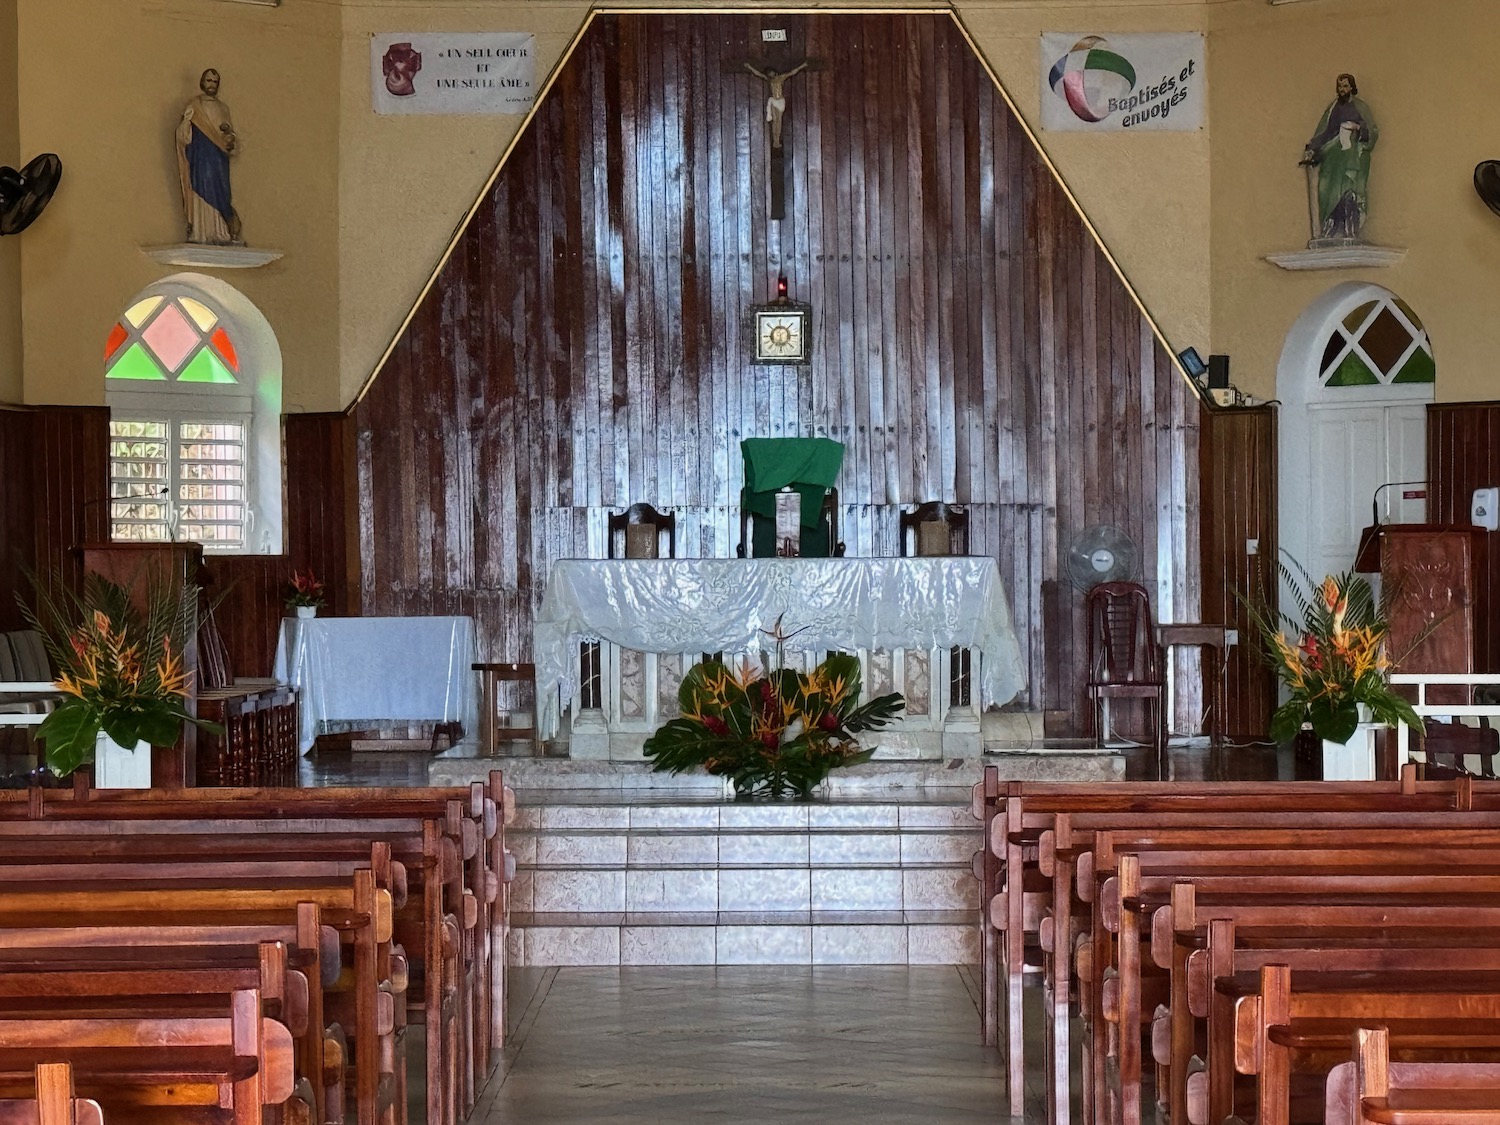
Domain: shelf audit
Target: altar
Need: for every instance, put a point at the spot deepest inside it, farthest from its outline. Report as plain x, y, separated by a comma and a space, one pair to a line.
938, 630
379, 669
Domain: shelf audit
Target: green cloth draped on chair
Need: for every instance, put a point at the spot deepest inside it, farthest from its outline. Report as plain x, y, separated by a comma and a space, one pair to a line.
810, 465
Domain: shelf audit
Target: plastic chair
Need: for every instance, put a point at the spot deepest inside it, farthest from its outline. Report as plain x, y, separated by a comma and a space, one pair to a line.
1124, 659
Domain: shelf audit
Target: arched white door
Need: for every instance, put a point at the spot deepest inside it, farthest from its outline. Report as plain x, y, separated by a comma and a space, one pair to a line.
1355, 376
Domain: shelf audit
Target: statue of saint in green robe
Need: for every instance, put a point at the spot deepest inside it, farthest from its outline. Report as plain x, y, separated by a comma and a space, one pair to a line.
1340, 153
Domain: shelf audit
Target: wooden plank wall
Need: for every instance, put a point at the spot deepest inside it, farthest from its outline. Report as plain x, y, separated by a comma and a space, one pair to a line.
1463, 453
1238, 466
585, 346
53, 494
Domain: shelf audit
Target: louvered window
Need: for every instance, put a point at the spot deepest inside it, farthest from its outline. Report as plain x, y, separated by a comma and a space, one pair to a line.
178, 478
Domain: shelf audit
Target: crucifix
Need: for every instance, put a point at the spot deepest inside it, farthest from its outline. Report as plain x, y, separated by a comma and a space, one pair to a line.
775, 81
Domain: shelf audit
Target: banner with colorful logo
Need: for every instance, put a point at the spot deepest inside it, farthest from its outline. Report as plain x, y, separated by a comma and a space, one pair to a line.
1098, 83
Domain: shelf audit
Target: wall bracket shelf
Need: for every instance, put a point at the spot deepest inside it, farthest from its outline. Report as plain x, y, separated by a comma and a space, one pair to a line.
211, 257
1358, 256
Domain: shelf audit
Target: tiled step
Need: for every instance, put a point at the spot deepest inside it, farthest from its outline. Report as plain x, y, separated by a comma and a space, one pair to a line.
915, 937
748, 888
818, 847
611, 878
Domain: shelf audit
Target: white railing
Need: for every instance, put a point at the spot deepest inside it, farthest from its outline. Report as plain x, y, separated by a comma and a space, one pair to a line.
637, 693
31, 692
1424, 680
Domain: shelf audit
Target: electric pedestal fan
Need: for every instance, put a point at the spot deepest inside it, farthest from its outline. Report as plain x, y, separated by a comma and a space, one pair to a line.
24, 194
1101, 553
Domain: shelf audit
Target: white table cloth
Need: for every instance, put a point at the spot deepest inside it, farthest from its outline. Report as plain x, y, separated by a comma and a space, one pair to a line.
410, 669
713, 605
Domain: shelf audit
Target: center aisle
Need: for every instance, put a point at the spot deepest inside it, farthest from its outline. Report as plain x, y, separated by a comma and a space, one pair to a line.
746, 1044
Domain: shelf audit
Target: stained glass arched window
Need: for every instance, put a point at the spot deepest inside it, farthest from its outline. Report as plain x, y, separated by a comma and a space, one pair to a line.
171, 339
186, 402
1380, 342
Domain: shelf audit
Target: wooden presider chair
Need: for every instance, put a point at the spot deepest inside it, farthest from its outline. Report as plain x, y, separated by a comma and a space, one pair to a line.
935, 528
758, 534
1124, 660
638, 529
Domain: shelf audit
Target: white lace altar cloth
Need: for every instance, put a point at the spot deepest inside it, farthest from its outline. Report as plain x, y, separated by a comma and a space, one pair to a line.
407, 669
724, 605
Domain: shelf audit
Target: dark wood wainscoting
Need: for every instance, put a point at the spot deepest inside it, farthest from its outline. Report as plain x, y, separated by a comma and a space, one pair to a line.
585, 346
54, 481
250, 588
1238, 466
53, 494
1463, 453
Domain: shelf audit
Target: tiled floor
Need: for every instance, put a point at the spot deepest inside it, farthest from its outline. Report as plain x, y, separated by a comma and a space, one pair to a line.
756, 1044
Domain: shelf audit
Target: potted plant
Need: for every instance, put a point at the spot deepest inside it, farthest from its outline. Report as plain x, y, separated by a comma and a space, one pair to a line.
1333, 662
305, 593
120, 670
777, 733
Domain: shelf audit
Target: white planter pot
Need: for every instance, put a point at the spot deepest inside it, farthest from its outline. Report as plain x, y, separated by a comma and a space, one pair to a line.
1353, 760
306, 611
121, 767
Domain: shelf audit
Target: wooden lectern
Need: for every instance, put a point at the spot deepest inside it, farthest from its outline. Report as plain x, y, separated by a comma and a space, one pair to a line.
1428, 570
136, 566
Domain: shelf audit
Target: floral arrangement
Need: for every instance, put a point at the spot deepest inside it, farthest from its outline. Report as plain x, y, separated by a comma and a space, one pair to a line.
779, 733
304, 589
119, 667
1333, 660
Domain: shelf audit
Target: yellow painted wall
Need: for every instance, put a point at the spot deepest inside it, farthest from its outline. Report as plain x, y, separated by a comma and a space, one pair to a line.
10, 248
1426, 69
103, 84
388, 183
363, 205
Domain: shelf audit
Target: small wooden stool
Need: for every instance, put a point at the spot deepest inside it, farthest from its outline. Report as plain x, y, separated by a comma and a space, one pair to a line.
490, 730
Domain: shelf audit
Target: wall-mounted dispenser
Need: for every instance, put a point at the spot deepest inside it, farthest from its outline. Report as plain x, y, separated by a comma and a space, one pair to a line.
1484, 510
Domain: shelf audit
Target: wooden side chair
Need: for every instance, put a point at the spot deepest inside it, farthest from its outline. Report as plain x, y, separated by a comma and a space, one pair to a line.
923, 530
1124, 659
492, 707
638, 530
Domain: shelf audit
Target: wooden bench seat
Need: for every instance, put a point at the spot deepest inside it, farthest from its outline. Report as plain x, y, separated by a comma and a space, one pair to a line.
356, 909
467, 878
54, 1103
1370, 1089
143, 1068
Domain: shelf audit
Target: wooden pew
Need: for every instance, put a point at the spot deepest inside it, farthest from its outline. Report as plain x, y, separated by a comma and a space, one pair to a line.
312, 948
141, 1069
1408, 941
1372, 1090
358, 910
1435, 1012
1025, 812
54, 1104
1371, 868
474, 880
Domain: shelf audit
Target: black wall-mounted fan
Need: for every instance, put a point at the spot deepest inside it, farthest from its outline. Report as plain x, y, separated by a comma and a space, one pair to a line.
1487, 183
24, 194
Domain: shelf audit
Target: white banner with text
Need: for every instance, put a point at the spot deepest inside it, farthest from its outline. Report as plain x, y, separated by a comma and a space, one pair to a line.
441, 72
1098, 84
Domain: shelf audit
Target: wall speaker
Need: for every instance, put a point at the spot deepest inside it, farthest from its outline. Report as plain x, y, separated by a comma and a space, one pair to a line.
1218, 372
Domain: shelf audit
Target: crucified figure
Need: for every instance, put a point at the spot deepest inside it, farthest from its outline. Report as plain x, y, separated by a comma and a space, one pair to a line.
776, 102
